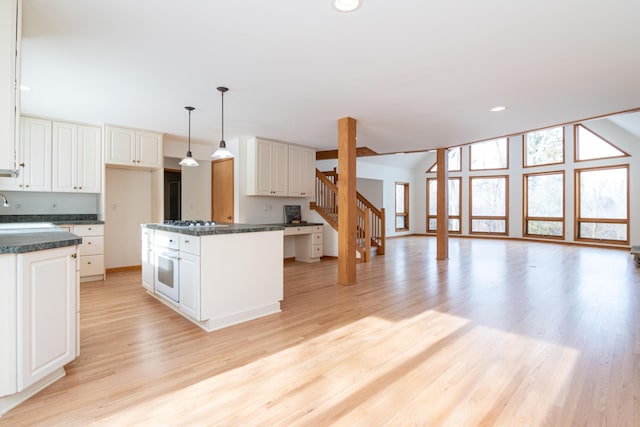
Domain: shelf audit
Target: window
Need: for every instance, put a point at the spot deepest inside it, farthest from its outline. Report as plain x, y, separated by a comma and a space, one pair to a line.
603, 204
492, 154
544, 205
455, 198
454, 162
402, 206
544, 147
590, 146
489, 204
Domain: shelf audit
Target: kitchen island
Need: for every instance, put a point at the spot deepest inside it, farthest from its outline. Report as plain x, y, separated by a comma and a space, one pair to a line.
38, 308
214, 276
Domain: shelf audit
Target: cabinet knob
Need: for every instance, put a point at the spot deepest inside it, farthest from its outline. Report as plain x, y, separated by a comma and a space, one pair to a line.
186, 241
80, 188
21, 165
88, 243
74, 256
27, 185
88, 262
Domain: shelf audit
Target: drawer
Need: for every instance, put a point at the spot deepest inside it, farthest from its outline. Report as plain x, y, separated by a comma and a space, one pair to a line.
293, 231
316, 238
91, 265
88, 230
190, 244
316, 251
317, 229
92, 245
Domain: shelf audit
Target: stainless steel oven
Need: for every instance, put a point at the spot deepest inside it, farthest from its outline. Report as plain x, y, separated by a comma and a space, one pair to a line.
167, 269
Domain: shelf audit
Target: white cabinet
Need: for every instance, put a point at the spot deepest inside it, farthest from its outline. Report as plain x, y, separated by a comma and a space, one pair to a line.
267, 168
190, 284
279, 169
148, 261
77, 158
10, 31
133, 148
47, 313
302, 166
91, 251
189, 264
34, 173
308, 242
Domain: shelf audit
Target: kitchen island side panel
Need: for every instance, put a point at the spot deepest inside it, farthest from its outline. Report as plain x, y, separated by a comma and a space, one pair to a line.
241, 277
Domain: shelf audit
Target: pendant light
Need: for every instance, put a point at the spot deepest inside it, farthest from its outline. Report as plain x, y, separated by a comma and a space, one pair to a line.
188, 159
222, 152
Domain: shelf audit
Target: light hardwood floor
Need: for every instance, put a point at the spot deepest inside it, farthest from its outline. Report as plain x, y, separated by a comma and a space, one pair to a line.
504, 333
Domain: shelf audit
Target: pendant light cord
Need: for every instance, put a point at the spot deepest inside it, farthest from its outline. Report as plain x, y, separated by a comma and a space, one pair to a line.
222, 98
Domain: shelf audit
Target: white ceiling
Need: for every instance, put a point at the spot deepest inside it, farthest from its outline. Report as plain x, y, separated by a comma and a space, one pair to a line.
415, 74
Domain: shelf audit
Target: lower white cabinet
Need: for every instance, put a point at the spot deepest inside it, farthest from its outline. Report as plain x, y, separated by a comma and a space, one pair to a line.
47, 313
39, 301
147, 257
190, 284
91, 251
308, 242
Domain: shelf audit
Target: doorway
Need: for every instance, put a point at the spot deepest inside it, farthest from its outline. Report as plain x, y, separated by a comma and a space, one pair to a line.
222, 190
172, 194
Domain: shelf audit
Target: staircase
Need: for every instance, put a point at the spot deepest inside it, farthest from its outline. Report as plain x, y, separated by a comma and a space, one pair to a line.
370, 226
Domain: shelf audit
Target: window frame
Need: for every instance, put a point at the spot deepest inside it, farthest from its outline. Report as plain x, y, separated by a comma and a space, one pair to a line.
404, 214
504, 218
575, 146
564, 149
471, 169
432, 169
578, 219
458, 217
525, 206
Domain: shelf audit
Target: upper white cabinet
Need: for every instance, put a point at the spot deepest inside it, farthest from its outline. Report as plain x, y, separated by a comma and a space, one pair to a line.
77, 158
10, 30
302, 166
267, 167
279, 169
34, 173
133, 148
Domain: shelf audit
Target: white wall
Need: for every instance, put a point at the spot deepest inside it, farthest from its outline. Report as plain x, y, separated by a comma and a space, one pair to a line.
128, 204
45, 203
372, 190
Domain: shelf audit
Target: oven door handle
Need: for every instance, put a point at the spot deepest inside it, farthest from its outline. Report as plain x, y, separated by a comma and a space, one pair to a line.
170, 254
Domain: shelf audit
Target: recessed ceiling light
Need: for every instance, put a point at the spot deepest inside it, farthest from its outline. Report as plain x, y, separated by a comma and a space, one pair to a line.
346, 5
498, 108
25, 88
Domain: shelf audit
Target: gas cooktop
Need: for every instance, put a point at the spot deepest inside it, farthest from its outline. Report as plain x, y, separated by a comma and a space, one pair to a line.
189, 223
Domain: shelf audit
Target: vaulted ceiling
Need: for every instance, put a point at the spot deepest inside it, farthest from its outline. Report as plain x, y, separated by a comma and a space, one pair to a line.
415, 74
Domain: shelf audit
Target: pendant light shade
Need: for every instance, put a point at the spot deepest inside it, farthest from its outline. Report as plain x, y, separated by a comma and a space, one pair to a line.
222, 152
188, 159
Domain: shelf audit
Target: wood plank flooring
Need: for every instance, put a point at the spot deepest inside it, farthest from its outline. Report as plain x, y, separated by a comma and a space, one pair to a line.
503, 333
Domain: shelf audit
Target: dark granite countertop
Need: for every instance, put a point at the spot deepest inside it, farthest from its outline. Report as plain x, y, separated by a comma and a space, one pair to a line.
71, 219
306, 224
14, 241
221, 228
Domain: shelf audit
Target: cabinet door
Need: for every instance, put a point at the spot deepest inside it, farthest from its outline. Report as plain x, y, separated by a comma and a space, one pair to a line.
9, 80
263, 168
147, 259
89, 169
149, 149
190, 285
35, 155
47, 283
279, 169
308, 172
65, 157
296, 166
120, 146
